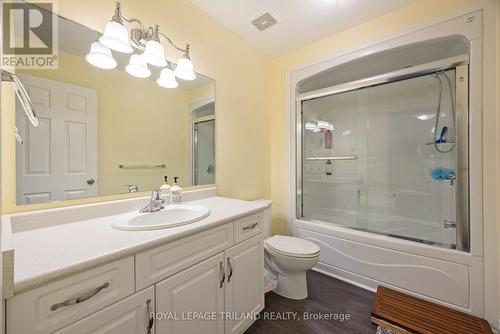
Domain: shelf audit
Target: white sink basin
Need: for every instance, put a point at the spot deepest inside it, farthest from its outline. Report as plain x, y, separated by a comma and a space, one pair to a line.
171, 216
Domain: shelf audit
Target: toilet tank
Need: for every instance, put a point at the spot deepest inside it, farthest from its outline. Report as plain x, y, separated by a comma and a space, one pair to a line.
266, 220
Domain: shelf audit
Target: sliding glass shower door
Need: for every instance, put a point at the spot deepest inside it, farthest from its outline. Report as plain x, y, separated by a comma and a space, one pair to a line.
384, 159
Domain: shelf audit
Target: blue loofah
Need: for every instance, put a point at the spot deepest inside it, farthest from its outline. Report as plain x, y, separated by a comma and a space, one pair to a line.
441, 174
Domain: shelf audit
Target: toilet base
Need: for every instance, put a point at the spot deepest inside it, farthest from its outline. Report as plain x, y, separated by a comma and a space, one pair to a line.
292, 286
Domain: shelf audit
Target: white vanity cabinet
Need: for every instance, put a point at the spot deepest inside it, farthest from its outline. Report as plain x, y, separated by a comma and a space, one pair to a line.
199, 283
192, 297
219, 295
244, 286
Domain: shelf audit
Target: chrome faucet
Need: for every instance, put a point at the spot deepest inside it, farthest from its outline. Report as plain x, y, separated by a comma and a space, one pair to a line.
132, 188
155, 202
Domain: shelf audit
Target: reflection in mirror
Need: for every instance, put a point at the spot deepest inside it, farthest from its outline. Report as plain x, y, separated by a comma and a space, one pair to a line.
105, 132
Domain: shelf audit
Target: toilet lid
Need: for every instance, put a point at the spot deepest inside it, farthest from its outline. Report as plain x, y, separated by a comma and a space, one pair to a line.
292, 246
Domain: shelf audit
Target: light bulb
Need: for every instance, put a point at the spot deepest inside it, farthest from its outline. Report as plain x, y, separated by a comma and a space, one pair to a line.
115, 37
154, 54
167, 78
100, 56
184, 69
137, 67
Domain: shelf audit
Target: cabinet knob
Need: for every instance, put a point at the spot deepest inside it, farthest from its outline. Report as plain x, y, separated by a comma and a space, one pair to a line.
90, 181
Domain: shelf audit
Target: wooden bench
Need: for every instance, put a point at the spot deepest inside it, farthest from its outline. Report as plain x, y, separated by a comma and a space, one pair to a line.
403, 313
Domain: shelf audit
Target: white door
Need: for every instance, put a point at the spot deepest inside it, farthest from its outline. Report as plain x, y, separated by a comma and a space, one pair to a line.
244, 287
196, 290
129, 316
58, 160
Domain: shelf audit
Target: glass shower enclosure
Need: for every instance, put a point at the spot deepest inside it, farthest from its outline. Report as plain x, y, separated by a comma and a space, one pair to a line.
388, 155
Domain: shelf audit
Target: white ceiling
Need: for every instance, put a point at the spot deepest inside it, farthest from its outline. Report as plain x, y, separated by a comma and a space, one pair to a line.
303, 21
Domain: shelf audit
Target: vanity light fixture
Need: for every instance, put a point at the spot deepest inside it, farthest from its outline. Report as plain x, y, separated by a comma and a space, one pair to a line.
323, 125
100, 56
154, 53
138, 67
115, 34
146, 48
184, 69
311, 126
167, 78
319, 126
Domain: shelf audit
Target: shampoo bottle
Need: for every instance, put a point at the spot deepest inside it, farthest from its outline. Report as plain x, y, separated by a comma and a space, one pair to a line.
176, 193
328, 140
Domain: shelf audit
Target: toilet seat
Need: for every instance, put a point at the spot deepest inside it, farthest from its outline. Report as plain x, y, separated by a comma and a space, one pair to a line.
292, 247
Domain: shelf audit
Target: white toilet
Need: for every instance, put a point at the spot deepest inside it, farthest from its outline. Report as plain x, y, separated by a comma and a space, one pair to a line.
289, 259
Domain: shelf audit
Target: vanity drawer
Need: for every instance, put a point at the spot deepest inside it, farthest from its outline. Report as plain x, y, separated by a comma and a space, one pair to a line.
247, 227
55, 305
158, 263
128, 316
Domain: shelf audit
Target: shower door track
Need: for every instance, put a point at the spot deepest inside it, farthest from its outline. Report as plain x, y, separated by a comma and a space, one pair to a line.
460, 64
402, 74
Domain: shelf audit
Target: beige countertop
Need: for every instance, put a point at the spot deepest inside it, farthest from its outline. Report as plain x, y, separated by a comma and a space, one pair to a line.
52, 251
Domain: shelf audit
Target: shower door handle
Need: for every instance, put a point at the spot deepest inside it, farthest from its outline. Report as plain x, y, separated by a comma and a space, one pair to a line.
449, 224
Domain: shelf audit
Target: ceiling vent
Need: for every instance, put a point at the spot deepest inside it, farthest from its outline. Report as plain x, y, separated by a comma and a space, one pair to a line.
265, 19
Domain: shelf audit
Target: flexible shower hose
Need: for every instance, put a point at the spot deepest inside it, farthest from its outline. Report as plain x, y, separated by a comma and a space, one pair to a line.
439, 76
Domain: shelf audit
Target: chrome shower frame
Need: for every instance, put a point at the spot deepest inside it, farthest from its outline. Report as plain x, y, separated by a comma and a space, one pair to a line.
461, 66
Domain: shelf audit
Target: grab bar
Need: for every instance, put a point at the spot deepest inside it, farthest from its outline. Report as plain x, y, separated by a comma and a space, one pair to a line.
129, 166
333, 158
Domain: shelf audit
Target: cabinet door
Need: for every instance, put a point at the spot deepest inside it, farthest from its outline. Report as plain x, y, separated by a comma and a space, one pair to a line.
244, 287
192, 301
129, 316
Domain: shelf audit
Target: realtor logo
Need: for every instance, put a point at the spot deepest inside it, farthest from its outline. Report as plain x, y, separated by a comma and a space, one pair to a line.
29, 35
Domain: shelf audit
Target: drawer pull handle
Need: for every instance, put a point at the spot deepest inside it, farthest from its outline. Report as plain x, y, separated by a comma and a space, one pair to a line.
80, 299
250, 227
223, 273
151, 316
230, 266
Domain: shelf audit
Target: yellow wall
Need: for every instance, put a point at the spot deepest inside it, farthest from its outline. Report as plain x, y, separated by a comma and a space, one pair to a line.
242, 140
405, 17
201, 93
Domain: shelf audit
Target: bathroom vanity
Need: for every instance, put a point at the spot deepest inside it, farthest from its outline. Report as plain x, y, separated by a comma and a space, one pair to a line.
74, 273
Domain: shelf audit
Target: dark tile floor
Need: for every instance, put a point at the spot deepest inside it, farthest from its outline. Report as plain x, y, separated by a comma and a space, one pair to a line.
326, 296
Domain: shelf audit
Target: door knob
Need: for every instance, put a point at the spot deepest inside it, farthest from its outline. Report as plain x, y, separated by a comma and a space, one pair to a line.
90, 181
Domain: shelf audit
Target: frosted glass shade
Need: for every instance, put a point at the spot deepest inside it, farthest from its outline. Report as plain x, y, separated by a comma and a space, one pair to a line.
322, 125
154, 54
184, 69
137, 67
100, 56
115, 37
167, 79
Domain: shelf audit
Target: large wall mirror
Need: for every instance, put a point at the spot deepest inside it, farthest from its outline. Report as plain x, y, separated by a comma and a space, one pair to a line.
105, 132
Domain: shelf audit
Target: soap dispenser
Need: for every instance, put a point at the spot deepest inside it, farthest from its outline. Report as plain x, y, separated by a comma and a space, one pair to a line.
176, 192
165, 188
